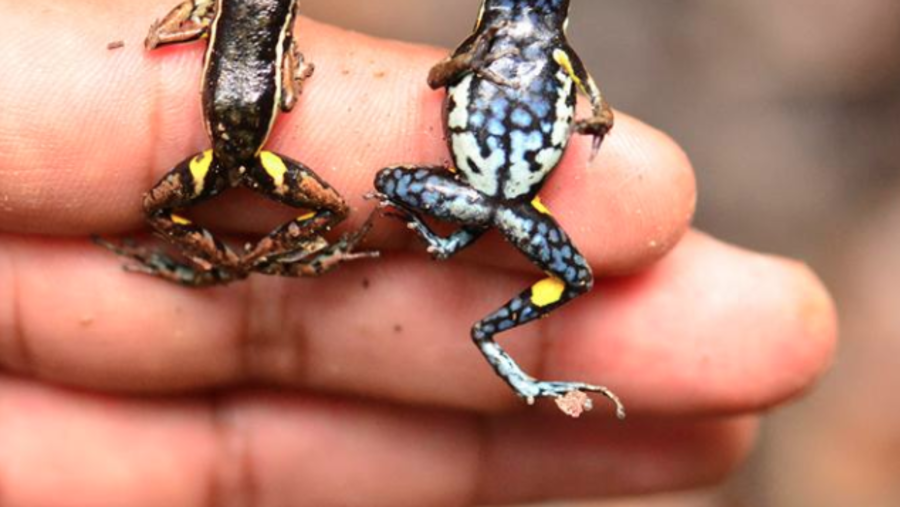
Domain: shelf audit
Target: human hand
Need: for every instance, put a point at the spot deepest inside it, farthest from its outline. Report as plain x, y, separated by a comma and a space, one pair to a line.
360, 388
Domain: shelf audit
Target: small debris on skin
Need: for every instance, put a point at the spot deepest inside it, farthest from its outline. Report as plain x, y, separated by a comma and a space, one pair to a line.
574, 403
116, 44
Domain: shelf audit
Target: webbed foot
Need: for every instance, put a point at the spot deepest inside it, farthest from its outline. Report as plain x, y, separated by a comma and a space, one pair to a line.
157, 263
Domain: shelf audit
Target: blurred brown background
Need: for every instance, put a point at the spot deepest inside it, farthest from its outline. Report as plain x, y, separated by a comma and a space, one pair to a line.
790, 111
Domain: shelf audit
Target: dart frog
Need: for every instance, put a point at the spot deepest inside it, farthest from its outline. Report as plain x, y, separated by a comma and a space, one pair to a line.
252, 71
509, 111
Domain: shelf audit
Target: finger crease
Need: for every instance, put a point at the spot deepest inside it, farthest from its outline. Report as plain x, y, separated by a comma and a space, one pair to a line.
233, 480
272, 347
26, 361
480, 471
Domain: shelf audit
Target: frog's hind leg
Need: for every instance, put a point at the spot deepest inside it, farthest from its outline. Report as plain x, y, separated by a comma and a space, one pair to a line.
194, 180
533, 231
153, 262
297, 248
413, 191
188, 21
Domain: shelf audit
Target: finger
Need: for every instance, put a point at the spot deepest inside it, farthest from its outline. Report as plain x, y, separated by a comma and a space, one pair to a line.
709, 329
83, 137
264, 449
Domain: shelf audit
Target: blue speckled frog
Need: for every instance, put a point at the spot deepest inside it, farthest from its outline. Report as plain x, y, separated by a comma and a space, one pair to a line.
510, 109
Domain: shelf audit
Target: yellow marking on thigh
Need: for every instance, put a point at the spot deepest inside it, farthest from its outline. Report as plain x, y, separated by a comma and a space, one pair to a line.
307, 216
547, 292
562, 58
180, 220
199, 168
274, 167
539, 205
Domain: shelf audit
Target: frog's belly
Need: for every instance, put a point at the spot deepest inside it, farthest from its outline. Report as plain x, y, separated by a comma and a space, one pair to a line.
504, 142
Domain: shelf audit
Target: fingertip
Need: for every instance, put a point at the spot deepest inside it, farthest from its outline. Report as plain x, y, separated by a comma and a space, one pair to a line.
809, 353
632, 204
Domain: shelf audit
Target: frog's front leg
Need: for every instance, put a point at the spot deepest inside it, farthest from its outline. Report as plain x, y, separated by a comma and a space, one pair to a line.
294, 71
188, 21
533, 231
194, 180
297, 248
472, 56
602, 119
431, 190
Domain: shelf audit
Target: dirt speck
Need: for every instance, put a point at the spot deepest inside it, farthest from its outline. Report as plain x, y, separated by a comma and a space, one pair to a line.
574, 403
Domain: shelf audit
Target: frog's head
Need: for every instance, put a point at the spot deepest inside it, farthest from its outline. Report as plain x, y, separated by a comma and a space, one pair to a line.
550, 12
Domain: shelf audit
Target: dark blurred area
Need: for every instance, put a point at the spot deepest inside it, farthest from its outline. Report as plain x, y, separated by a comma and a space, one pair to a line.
790, 111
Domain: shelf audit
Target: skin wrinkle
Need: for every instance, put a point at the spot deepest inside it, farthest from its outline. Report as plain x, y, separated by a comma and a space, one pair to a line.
27, 360
235, 449
268, 332
480, 473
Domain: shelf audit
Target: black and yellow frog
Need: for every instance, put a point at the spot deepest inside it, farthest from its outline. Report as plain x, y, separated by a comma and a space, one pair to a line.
252, 71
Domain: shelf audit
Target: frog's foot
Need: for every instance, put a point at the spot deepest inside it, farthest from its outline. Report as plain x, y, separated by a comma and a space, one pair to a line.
571, 397
189, 21
411, 192
598, 127
440, 248
159, 264
303, 69
478, 59
483, 56
316, 256
295, 70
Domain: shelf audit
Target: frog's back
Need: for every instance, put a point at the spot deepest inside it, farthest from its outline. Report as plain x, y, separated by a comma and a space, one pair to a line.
507, 138
241, 88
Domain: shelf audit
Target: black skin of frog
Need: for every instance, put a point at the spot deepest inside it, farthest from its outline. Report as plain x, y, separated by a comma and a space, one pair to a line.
510, 109
252, 71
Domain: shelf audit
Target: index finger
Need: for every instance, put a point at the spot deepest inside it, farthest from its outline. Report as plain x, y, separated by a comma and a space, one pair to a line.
86, 131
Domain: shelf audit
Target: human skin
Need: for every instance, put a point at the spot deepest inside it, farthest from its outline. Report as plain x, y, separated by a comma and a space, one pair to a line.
362, 387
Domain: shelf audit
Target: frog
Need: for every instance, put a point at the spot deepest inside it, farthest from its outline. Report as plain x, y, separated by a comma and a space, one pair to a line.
252, 71
509, 112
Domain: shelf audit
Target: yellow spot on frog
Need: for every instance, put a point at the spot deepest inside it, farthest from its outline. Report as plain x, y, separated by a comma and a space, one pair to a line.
306, 217
539, 205
199, 168
547, 291
180, 220
562, 58
274, 167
